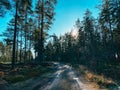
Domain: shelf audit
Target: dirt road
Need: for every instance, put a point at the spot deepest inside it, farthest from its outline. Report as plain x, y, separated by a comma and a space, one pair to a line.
64, 78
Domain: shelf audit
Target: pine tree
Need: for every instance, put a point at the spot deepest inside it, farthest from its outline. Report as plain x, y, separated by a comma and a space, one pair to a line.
15, 34
106, 23
88, 27
45, 13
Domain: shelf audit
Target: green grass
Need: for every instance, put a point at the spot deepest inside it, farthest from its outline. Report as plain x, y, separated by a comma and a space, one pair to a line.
27, 73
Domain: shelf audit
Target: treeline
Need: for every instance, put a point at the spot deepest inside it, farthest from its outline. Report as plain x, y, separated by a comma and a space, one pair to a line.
27, 29
97, 44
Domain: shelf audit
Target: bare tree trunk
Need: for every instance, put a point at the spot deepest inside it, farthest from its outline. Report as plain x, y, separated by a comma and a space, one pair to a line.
25, 55
41, 40
15, 34
30, 44
17, 46
21, 48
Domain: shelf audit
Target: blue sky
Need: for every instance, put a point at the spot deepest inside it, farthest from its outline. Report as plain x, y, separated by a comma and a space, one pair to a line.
67, 12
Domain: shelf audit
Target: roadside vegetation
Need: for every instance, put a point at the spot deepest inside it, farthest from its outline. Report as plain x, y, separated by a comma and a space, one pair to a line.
26, 72
97, 80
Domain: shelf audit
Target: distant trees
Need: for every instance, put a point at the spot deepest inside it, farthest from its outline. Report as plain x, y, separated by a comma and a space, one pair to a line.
1, 48
27, 29
88, 27
68, 46
97, 43
2, 51
5, 51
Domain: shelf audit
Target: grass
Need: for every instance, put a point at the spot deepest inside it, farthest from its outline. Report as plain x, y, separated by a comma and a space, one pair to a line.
100, 80
26, 73
14, 79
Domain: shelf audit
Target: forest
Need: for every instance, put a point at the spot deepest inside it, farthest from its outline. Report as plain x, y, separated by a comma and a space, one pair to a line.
26, 41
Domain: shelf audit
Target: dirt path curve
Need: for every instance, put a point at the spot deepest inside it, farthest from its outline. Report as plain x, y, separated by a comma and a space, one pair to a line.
66, 79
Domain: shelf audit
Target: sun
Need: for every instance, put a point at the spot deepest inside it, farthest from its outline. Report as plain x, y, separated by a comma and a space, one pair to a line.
74, 33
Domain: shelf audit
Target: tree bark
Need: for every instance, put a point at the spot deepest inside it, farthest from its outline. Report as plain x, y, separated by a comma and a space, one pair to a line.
41, 40
25, 55
14, 40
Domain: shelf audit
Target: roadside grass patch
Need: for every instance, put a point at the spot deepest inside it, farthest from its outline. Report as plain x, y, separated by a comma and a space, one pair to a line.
26, 73
100, 80
14, 79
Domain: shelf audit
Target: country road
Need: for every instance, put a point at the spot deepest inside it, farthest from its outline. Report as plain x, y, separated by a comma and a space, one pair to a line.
64, 78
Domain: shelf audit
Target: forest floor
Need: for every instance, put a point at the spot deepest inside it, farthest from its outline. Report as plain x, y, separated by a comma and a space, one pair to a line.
64, 77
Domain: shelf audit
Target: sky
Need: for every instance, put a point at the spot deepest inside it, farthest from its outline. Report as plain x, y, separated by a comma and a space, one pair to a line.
67, 12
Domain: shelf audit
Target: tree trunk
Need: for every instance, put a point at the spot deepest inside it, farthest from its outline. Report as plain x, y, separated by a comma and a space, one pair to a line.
30, 44
21, 48
14, 40
25, 55
17, 46
41, 40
